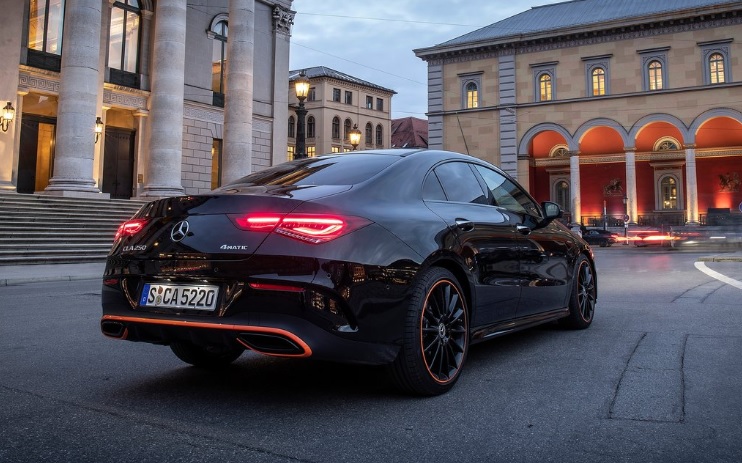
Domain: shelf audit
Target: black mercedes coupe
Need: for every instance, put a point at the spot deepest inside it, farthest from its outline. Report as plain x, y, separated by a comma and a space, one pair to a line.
401, 258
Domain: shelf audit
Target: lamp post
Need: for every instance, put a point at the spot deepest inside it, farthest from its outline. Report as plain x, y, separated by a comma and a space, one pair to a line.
301, 86
355, 136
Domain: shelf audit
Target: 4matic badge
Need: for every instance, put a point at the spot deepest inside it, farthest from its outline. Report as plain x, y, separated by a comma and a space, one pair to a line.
233, 247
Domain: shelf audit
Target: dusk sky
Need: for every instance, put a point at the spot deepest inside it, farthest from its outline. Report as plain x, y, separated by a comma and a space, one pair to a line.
374, 40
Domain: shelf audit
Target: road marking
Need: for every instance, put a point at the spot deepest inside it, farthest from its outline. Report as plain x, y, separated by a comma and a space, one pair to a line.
713, 274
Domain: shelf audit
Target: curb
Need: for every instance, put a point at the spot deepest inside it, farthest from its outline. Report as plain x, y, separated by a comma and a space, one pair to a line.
27, 280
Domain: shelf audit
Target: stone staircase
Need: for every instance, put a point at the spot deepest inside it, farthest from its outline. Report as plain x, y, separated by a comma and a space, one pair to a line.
36, 229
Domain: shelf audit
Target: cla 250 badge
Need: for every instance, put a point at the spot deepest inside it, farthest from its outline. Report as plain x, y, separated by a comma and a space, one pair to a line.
138, 247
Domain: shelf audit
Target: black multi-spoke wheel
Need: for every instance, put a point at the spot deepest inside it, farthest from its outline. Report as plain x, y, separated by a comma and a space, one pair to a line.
584, 295
436, 336
205, 357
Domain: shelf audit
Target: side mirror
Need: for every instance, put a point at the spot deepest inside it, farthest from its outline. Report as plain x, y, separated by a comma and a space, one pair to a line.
551, 211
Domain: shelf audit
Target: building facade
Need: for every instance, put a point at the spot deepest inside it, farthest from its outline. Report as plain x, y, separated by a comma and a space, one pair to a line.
610, 108
337, 103
126, 98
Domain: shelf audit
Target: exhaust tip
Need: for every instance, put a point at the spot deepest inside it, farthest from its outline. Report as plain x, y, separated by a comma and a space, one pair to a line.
270, 344
113, 329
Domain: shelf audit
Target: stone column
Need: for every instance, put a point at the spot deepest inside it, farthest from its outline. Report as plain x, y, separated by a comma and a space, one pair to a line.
238, 102
164, 168
140, 155
78, 101
283, 19
574, 180
631, 203
10, 56
691, 185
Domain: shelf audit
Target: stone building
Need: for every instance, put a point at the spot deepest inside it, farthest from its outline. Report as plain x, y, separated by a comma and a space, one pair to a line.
127, 98
336, 103
615, 107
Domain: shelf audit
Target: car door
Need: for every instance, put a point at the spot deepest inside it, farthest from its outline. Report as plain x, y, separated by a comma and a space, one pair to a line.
488, 241
543, 252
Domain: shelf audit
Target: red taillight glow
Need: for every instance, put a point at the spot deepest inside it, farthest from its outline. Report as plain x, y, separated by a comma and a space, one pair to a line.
311, 228
130, 228
276, 287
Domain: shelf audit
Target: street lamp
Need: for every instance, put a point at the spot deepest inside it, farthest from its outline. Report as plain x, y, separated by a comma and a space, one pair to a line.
7, 116
355, 136
301, 86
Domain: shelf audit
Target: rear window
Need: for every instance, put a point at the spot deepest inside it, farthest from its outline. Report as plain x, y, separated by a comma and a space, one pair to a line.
347, 169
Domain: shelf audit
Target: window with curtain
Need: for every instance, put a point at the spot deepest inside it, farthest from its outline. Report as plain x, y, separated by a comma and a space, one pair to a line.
544, 84
655, 75
472, 95
716, 68
598, 81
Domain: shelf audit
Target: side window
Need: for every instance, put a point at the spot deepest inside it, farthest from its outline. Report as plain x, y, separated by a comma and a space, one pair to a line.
507, 194
460, 184
432, 189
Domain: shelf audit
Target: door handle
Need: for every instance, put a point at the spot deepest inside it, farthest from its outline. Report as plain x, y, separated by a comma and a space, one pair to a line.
464, 224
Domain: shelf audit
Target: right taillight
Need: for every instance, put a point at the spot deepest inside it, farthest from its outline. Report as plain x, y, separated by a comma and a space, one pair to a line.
311, 228
130, 228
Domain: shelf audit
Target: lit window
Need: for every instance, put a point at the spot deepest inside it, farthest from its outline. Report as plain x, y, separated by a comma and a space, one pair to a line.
598, 75
669, 192
290, 153
216, 163
123, 43
561, 195
544, 83
379, 135
655, 75
716, 68
311, 151
472, 95
336, 128
310, 127
335, 149
45, 25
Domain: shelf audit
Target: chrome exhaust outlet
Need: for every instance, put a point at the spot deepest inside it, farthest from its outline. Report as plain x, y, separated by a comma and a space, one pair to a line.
113, 329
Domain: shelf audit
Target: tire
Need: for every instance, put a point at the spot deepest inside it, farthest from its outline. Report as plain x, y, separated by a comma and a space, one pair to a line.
205, 357
436, 336
583, 297
604, 243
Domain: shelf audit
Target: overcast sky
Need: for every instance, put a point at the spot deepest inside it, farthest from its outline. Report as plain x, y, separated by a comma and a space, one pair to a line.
373, 39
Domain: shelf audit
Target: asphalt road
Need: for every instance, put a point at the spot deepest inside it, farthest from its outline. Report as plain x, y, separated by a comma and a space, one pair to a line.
657, 378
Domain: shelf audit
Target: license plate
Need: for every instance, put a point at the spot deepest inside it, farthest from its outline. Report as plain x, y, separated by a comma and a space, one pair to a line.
194, 297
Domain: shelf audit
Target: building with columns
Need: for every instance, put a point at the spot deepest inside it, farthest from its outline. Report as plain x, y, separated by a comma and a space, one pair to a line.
608, 107
141, 98
336, 103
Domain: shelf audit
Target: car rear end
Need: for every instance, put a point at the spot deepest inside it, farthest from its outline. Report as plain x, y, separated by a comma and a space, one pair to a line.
265, 268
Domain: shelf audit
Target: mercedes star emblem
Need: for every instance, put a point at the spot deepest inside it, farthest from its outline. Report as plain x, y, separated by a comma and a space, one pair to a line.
180, 231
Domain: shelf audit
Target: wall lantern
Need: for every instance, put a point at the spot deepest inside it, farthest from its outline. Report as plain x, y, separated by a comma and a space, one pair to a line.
98, 128
355, 136
8, 115
301, 86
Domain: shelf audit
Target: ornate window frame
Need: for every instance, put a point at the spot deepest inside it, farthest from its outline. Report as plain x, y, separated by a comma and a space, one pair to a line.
663, 170
467, 80
649, 56
593, 63
540, 70
708, 49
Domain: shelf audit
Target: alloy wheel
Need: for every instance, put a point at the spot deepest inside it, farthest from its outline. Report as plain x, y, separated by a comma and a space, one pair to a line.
444, 331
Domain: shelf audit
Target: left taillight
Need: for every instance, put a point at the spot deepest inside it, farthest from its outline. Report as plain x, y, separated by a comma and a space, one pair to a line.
129, 228
311, 228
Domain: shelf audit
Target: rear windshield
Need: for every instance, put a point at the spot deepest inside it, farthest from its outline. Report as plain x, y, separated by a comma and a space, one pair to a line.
347, 169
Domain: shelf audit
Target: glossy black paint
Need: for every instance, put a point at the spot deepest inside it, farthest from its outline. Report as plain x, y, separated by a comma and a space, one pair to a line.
346, 299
